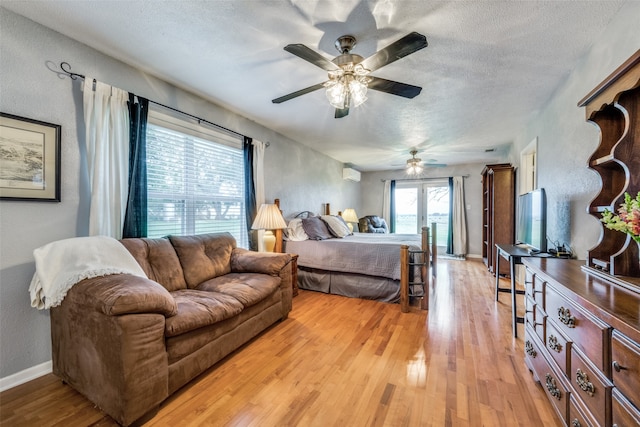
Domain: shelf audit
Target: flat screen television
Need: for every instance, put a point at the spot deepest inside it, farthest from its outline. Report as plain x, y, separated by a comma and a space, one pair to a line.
532, 221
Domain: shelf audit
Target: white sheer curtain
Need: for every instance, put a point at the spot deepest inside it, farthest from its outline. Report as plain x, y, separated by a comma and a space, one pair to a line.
258, 181
386, 201
459, 219
106, 119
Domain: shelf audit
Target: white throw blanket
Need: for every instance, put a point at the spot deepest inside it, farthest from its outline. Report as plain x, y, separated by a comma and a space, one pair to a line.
62, 264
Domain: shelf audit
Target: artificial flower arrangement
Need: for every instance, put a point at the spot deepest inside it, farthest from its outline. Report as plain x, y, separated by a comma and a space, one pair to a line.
628, 218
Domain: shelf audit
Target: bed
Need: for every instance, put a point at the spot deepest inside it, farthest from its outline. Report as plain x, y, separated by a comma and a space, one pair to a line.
383, 267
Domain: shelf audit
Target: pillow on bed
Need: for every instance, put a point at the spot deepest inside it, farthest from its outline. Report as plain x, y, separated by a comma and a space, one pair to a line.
294, 231
315, 228
336, 225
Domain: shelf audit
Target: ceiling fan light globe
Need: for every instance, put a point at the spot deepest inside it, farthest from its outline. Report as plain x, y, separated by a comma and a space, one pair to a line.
336, 94
414, 169
358, 92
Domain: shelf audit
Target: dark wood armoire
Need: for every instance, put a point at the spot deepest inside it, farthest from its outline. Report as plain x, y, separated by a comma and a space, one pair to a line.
498, 212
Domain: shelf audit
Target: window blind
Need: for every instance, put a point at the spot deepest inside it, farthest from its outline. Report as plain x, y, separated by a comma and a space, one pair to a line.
195, 181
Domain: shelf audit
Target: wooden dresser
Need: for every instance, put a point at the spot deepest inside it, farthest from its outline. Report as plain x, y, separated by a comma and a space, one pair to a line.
582, 342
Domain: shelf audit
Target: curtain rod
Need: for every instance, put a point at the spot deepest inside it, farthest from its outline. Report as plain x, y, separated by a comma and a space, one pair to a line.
425, 179
75, 76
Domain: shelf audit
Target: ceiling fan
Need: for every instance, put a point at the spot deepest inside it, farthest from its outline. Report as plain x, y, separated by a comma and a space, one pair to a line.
348, 73
415, 165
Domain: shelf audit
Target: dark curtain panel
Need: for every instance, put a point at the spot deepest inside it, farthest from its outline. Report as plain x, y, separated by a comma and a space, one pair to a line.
135, 218
392, 207
450, 234
249, 191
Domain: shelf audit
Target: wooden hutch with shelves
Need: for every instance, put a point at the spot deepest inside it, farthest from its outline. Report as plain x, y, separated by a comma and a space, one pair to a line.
614, 107
582, 321
498, 212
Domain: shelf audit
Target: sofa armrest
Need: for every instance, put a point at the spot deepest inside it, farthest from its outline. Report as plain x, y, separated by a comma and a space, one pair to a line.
119, 294
244, 261
119, 362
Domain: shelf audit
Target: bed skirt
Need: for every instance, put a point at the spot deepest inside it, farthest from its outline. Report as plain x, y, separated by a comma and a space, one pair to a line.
352, 285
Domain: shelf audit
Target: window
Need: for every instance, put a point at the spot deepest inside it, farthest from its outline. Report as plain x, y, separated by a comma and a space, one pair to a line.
418, 204
195, 180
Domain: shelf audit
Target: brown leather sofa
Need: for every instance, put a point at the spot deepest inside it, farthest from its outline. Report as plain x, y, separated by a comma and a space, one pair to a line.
127, 343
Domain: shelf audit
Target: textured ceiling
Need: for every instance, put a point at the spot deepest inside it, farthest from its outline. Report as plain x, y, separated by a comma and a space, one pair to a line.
489, 65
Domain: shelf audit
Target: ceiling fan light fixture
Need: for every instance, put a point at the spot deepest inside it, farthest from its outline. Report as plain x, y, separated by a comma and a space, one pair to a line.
414, 164
347, 86
336, 93
358, 92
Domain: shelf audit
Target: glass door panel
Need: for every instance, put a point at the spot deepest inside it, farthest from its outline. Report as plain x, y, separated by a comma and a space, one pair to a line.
406, 210
420, 204
437, 208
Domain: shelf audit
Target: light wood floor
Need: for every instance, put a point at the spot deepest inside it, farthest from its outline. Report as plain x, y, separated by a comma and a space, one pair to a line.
347, 362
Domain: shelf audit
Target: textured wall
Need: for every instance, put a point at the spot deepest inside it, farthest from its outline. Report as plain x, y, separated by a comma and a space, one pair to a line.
566, 140
372, 189
301, 177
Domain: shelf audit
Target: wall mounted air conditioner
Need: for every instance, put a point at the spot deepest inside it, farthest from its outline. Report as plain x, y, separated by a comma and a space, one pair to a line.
350, 174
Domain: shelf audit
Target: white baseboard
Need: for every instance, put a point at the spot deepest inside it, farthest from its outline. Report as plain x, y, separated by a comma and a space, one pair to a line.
474, 256
25, 376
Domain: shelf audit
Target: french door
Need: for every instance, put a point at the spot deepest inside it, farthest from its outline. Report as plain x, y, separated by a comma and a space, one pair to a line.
418, 204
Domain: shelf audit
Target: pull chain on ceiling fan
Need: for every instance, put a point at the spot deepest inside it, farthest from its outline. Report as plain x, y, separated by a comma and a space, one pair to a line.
348, 73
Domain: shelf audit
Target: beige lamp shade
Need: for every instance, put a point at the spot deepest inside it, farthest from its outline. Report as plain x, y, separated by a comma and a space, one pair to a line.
349, 215
268, 218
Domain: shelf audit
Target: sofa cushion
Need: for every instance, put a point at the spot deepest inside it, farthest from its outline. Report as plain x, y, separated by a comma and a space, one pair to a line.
248, 288
197, 309
158, 260
204, 256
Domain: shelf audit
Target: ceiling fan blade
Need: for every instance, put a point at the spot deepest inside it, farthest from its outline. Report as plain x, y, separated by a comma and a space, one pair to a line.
394, 88
298, 93
312, 56
341, 112
410, 43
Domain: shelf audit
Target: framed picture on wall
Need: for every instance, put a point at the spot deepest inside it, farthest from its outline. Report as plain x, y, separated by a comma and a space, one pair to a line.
29, 159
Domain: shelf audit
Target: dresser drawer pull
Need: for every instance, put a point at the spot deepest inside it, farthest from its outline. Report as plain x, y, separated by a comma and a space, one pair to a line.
551, 386
564, 315
575, 423
553, 344
528, 347
617, 367
583, 382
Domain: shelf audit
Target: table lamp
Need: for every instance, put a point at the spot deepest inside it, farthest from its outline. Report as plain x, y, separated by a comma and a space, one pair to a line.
349, 216
268, 218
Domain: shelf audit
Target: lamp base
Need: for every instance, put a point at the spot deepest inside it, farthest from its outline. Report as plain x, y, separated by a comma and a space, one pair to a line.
269, 240
350, 227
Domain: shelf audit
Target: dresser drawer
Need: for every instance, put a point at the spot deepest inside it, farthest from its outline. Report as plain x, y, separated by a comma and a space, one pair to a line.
528, 282
559, 347
584, 330
591, 386
529, 311
625, 363
538, 290
540, 321
579, 416
623, 413
553, 382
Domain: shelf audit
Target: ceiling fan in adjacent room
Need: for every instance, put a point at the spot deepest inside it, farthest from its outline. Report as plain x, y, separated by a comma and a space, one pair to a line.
348, 73
415, 165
